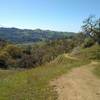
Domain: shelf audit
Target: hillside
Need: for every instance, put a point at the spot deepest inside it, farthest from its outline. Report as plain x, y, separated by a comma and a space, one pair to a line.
36, 84
49, 50
81, 83
16, 35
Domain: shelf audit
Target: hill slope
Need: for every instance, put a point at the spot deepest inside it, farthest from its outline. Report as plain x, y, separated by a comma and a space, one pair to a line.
81, 83
35, 84
25, 35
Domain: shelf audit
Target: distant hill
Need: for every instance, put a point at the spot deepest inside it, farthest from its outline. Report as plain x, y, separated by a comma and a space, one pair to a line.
16, 35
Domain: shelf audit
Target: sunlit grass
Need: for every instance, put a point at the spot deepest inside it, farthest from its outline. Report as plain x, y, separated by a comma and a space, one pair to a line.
34, 84
96, 70
89, 53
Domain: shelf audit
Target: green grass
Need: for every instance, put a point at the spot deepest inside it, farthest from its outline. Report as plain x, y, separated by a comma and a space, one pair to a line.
96, 70
34, 84
92, 53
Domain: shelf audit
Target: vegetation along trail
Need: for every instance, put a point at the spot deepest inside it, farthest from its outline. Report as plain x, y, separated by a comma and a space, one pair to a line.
79, 84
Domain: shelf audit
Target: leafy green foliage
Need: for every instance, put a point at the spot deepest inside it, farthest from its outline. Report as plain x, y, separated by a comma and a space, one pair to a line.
14, 51
88, 42
4, 56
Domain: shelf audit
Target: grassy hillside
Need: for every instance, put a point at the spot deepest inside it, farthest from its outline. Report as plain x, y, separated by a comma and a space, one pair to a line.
92, 53
33, 84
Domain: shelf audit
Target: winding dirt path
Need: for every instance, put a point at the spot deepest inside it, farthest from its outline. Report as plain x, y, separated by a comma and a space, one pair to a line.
79, 84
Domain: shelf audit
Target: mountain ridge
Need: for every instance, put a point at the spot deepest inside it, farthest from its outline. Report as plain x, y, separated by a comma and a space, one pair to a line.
17, 35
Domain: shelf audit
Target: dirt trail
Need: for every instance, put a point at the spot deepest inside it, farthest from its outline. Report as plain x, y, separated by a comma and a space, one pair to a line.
79, 84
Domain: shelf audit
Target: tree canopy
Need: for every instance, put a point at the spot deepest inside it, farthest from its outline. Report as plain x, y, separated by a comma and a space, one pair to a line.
91, 27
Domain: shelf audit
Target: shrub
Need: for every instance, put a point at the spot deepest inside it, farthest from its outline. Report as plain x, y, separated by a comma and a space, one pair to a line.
88, 42
14, 51
4, 56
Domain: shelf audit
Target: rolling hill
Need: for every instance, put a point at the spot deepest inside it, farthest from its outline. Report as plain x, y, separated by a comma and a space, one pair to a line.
16, 35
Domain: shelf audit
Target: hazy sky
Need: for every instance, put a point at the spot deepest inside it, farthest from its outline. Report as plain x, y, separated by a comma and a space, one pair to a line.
61, 15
